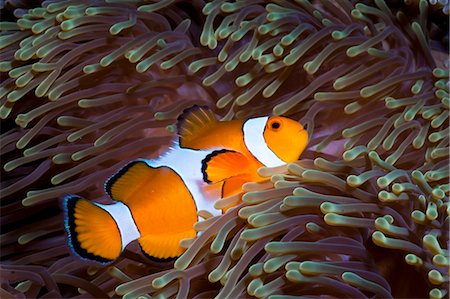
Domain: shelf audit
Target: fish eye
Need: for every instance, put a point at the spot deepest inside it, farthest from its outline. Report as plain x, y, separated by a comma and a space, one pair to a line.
275, 124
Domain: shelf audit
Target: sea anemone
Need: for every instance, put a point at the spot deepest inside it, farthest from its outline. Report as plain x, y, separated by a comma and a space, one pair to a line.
88, 86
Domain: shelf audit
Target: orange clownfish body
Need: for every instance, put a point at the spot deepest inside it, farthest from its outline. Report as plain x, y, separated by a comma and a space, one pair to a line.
156, 201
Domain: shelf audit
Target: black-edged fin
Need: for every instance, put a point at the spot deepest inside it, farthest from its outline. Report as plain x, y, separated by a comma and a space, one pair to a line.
223, 164
193, 122
92, 232
128, 180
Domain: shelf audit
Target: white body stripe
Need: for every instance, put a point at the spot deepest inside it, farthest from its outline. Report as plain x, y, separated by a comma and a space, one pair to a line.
256, 144
125, 222
187, 163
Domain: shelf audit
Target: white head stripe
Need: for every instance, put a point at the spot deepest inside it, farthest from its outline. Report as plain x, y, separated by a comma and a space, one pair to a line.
125, 222
256, 144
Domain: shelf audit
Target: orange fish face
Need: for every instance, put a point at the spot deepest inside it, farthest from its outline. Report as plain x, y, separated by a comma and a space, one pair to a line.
285, 137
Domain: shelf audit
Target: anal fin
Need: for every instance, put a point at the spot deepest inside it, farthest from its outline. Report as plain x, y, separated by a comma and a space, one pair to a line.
128, 180
231, 187
163, 246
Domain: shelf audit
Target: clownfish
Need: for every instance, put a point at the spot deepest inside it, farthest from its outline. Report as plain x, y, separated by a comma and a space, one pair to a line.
156, 201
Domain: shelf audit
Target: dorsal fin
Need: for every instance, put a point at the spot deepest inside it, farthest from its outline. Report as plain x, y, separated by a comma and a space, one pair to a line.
193, 122
224, 164
128, 179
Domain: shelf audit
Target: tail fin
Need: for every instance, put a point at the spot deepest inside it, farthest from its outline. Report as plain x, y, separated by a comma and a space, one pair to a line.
93, 233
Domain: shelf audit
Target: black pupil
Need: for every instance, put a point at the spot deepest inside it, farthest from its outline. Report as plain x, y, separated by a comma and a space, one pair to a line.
275, 125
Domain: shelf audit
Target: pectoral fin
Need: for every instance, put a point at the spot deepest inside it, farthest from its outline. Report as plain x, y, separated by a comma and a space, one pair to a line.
224, 164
